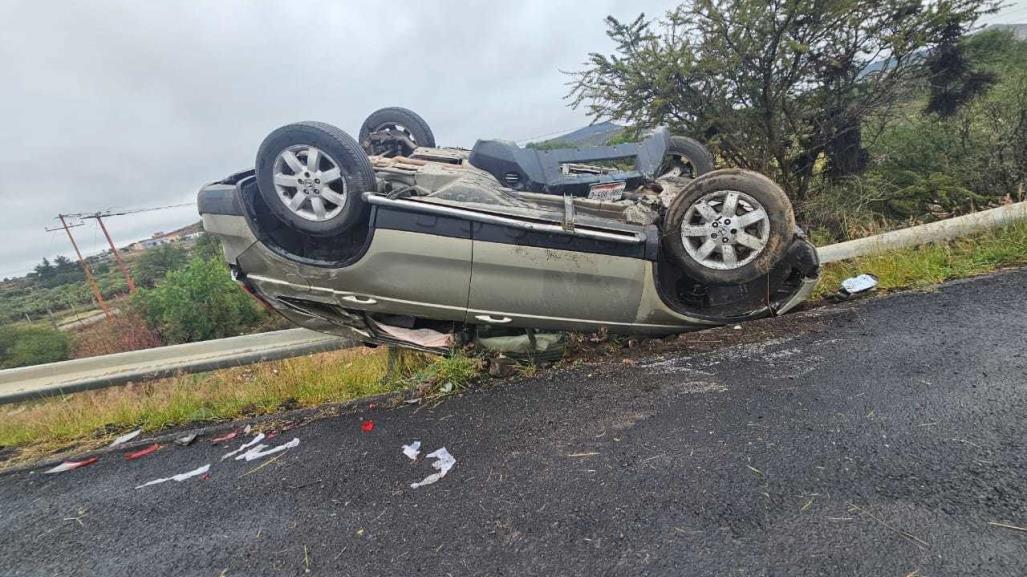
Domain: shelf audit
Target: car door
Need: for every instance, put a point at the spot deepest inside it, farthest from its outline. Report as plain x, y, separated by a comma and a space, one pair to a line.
416, 264
553, 281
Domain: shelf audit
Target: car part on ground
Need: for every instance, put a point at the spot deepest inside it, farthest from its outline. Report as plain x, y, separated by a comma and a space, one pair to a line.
395, 131
445, 243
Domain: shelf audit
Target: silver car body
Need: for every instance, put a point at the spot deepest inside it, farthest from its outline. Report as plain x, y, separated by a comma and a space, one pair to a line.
474, 253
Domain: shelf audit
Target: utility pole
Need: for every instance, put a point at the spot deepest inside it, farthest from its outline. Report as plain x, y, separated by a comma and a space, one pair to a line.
114, 250
85, 267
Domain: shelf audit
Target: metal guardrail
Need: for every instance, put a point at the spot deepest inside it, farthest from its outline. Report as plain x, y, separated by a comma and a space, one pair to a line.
941, 230
97, 372
108, 370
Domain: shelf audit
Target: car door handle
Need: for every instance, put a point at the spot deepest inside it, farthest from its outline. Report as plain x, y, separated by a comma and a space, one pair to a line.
493, 320
359, 300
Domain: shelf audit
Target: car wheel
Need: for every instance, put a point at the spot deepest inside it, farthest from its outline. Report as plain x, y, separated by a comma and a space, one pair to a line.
311, 176
728, 226
396, 130
687, 157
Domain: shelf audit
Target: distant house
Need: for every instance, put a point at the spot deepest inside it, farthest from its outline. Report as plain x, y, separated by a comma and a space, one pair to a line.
158, 239
191, 232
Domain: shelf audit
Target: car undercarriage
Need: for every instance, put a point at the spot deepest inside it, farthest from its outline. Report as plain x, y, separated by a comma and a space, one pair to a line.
432, 248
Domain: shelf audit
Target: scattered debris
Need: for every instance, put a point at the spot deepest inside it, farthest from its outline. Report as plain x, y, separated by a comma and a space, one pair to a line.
244, 446
423, 337
261, 451
78, 518
142, 452
412, 450
261, 466
858, 284
186, 440
247, 430
1007, 526
590, 454
126, 438
367, 426
502, 367
225, 438
443, 462
905, 534
178, 478
69, 465
737, 327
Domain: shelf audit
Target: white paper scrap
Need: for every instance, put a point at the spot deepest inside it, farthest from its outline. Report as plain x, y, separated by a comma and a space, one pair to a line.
261, 451
254, 441
126, 438
443, 462
412, 450
858, 284
178, 478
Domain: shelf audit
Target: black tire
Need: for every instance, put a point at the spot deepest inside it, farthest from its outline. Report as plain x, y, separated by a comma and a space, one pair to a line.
690, 155
357, 175
412, 125
780, 217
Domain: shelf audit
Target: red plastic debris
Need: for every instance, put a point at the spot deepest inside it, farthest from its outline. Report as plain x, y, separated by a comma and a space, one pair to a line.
224, 438
142, 452
367, 426
69, 465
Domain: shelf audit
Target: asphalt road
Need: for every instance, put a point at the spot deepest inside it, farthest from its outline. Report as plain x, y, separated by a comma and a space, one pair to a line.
882, 437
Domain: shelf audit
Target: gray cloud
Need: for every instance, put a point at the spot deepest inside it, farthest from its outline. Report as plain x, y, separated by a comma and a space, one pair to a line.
136, 104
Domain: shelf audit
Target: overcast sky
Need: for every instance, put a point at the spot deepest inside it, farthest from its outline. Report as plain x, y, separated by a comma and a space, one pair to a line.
137, 104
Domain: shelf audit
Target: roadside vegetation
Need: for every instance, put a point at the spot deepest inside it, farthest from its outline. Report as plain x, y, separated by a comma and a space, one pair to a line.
92, 418
184, 295
930, 264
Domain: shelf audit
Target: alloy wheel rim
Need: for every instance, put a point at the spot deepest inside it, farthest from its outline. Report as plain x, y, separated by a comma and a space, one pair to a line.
309, 183
725, 229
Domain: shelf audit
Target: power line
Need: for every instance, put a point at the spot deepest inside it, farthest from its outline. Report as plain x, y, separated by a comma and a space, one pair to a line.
111, 212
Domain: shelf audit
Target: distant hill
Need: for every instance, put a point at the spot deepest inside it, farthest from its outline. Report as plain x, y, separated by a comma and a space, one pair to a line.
1018, 30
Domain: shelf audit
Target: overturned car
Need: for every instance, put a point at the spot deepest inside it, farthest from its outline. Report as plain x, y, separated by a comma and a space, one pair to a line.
394, 240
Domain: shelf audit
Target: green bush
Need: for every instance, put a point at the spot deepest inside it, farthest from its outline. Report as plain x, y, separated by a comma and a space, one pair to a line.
197, 303
157, 262
32, 345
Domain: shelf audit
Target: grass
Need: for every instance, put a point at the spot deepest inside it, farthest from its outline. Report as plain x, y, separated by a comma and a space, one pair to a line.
931, 264
94, 417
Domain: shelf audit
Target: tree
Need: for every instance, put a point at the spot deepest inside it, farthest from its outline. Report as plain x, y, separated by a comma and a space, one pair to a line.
196, 303
154, 264
953, 80
63, 263
44, 270
208, 246
779, 86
